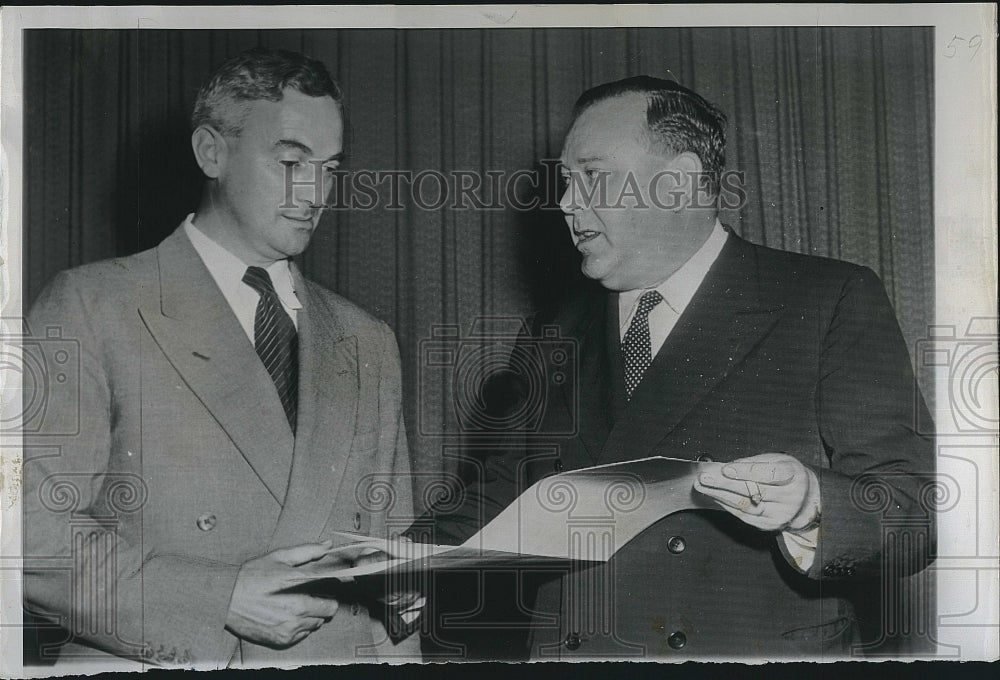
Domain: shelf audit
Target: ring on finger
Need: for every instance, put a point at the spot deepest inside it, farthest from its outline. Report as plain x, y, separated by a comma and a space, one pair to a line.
753, 490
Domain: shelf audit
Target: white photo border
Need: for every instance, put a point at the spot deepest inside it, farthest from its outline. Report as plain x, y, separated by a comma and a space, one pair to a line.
967, 570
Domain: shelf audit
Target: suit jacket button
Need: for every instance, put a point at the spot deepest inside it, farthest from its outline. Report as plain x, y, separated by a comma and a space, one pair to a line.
572, 641
206, 522
558, 465
704, 459
676, 544
677, 640
357, 521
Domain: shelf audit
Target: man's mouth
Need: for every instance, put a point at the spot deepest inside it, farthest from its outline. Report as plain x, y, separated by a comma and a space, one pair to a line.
298, 217
582, 236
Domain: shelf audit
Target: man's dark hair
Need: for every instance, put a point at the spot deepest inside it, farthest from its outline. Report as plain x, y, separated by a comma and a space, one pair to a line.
258, 74
678, 120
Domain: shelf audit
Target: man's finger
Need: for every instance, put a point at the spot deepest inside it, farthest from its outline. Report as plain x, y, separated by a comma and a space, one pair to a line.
737, 486
789, 494
302, 554
370, 557
312, 623
775, 474
731, 499
319, 607
305, 627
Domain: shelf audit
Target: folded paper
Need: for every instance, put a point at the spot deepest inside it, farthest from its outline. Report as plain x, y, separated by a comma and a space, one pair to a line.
579, 516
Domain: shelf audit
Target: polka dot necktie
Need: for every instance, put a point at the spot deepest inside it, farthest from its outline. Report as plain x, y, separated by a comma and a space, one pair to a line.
276, 341
636, 348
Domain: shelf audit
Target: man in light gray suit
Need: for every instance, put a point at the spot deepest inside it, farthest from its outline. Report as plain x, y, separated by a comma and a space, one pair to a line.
233, 417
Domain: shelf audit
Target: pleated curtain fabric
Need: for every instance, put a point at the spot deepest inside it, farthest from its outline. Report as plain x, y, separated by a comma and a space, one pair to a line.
831, 128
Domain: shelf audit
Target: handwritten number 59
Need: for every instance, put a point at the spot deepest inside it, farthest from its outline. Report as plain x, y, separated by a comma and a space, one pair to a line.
958, 43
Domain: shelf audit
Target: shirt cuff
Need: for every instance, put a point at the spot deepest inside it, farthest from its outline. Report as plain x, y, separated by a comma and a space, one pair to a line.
800, 548
410, 614
400, 623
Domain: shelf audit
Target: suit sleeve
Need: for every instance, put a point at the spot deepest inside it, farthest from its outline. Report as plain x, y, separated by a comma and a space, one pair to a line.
79, 568
881, 468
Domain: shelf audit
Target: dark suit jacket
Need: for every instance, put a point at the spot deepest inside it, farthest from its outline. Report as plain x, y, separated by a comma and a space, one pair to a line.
173, 463
777, 352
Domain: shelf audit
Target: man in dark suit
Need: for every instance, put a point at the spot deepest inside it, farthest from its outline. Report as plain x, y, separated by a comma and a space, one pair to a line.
232, 416
789, 369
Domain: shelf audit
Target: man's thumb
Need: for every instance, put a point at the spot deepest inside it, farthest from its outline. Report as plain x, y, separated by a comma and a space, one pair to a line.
301, 554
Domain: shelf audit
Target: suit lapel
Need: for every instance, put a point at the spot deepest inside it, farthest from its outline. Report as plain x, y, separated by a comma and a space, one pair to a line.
615, 361
329, 383
723, 323
193, 325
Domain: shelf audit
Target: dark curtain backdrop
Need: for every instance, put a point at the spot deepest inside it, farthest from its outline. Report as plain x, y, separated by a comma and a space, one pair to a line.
831, 126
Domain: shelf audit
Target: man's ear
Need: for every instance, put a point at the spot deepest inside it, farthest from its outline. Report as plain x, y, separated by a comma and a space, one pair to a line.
210, 150
689, 172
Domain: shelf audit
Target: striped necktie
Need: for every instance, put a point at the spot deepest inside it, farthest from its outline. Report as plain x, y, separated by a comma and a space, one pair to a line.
276, 341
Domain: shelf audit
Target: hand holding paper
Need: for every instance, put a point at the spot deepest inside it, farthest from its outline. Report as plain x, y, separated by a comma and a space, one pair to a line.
262, 609
401, 599
398, 594
772, 491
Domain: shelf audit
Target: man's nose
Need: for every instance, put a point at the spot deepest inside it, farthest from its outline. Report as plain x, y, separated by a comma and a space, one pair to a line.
309, 188
568, 203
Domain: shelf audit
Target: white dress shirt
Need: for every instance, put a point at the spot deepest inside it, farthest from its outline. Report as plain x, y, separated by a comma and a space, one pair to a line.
677, 291
228, 271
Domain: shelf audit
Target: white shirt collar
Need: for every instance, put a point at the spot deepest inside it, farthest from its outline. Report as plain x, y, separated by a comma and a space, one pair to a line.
678, 289
228, 270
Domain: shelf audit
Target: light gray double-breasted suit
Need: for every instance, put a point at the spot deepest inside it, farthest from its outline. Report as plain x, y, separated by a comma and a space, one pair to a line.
176, 463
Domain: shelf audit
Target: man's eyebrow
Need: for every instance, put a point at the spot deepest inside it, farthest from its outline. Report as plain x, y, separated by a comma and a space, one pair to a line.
563, 165
305, 149
293, 144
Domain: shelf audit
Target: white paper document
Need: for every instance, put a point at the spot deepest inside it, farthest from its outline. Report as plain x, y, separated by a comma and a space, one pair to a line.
581, 516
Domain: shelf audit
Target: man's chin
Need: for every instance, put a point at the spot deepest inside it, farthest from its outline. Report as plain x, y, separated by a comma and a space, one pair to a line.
597, 273
295, 246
